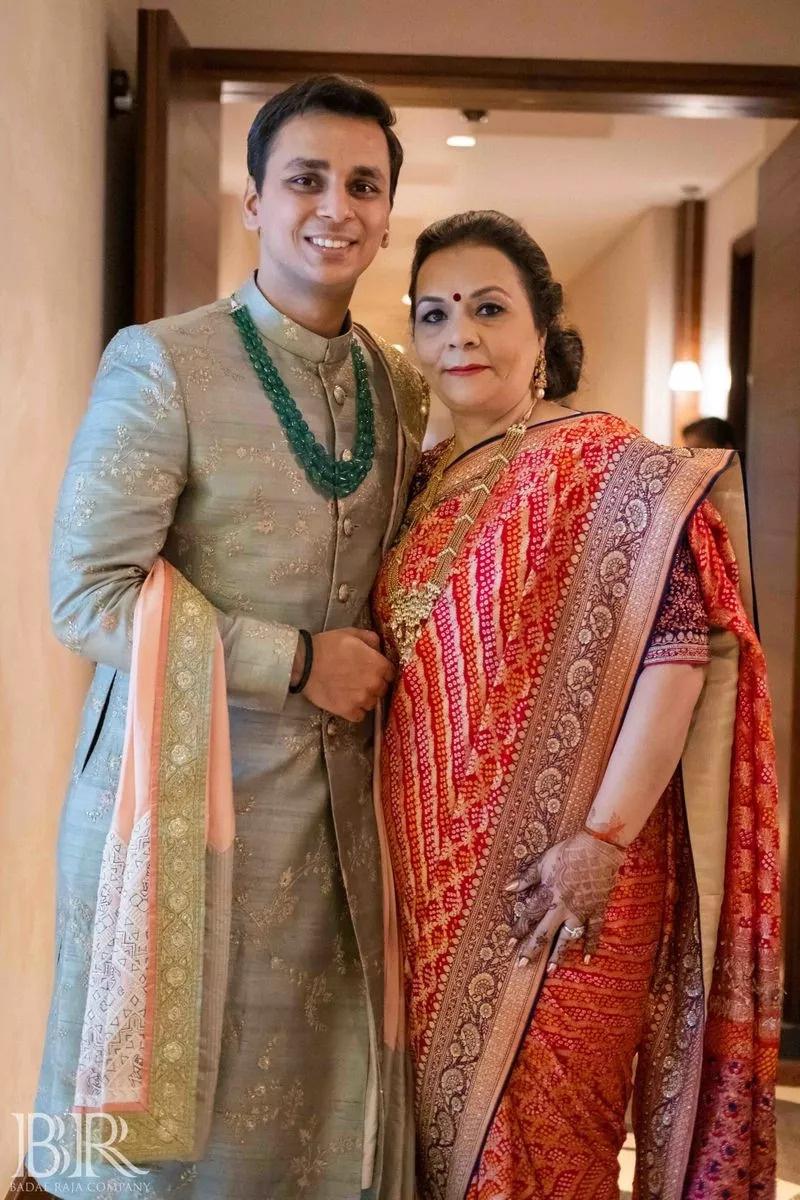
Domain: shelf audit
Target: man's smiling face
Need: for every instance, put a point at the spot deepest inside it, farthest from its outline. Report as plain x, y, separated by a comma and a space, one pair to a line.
324, 204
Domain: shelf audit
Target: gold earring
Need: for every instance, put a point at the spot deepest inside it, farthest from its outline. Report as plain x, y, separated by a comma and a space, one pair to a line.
540, 377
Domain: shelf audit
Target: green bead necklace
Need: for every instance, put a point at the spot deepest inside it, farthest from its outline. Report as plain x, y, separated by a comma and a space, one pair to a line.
328, 475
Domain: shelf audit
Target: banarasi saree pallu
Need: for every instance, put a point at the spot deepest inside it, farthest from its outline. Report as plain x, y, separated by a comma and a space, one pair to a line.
500, 728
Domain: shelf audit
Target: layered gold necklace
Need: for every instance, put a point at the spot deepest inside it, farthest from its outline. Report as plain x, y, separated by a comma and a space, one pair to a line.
411, 607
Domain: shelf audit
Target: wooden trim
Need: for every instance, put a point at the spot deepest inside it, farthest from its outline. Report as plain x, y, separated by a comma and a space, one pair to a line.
151, 157
659, 88
159, 41
690, 255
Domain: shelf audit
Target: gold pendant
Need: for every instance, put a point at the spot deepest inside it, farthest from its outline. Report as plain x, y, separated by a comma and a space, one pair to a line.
410, 611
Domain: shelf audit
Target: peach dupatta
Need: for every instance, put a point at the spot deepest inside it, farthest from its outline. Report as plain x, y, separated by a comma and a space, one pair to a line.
153, 1016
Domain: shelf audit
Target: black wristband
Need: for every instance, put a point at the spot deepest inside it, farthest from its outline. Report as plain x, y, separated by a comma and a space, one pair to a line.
294, 688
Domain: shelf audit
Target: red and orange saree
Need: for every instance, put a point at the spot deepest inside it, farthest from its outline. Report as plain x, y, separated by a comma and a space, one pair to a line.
500, 727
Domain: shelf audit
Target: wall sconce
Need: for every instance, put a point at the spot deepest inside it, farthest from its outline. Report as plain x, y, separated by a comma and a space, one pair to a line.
685, 376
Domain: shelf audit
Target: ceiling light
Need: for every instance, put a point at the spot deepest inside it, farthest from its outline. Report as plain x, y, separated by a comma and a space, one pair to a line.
465, 140
407, 300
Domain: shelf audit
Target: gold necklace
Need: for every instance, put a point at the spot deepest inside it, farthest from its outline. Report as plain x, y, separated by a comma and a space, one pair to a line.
411, 607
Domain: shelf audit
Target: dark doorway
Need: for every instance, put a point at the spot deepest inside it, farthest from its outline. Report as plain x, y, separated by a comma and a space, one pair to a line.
742, 262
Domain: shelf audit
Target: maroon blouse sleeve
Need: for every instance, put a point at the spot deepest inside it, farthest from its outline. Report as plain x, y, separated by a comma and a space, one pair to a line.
680, 633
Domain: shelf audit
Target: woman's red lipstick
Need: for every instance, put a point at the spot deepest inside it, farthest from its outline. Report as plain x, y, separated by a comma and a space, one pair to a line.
469, 370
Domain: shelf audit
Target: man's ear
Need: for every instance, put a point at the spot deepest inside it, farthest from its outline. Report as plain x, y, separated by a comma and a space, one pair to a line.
250, 206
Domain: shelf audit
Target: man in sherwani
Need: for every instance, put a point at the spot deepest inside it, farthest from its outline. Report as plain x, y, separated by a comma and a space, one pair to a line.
183, 454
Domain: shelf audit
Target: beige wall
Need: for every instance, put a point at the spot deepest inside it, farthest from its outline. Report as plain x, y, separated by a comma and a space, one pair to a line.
730, 212
52, 126
238, 247
682, 30
622, 304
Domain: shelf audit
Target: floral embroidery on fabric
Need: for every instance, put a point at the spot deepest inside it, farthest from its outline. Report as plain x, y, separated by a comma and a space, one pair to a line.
680, 633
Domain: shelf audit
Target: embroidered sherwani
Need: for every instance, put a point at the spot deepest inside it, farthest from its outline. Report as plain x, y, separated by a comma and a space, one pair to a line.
181, 454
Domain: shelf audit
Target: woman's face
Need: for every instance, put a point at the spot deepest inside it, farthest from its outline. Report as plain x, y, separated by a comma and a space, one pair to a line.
474, 331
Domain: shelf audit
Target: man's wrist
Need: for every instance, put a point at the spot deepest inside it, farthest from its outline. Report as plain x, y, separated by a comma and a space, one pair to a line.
303, 661
299, 661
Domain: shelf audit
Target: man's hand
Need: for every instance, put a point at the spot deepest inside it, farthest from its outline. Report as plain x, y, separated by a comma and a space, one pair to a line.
349, 674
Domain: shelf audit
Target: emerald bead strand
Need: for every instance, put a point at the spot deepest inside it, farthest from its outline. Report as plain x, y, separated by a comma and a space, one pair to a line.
327, 474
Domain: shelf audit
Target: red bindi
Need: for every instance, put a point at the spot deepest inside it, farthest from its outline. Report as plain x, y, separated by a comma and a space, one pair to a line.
456, 296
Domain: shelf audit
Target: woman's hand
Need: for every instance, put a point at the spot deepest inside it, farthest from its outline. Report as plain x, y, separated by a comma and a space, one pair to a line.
565, 888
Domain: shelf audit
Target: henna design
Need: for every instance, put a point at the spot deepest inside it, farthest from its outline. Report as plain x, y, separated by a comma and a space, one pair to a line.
611, 831
578, 874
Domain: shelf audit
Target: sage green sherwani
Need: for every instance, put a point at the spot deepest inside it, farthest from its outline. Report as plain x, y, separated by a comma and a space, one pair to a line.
181, 454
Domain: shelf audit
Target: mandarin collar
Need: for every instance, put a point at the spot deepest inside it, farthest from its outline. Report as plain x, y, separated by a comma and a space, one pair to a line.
287, 334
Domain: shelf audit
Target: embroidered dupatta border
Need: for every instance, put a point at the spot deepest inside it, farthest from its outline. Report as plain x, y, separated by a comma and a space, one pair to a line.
167, 1129
610, 605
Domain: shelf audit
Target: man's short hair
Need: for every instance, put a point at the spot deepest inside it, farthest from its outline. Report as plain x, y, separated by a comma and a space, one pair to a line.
321, 93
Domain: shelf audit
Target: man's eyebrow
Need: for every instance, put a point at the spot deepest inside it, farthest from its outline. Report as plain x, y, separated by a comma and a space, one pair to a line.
322, 164
308, 164
369, 172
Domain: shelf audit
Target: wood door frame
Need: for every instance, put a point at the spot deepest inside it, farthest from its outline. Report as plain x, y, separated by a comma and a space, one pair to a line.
554, 85
159, 41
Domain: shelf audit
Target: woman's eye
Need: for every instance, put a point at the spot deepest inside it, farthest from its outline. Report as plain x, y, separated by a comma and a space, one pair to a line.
433, 316
490, 309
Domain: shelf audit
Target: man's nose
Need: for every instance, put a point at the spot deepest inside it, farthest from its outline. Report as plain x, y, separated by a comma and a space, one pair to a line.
336, 204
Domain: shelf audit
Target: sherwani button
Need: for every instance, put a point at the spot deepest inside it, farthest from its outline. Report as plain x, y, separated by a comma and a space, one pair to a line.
339, 395
344, 592
347, 527
330, 727
347, 455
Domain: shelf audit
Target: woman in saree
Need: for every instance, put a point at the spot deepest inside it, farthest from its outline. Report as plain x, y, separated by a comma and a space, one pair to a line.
577, 771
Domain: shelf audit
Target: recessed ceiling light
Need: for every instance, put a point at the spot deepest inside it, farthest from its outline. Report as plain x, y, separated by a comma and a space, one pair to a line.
407, 300
465, 140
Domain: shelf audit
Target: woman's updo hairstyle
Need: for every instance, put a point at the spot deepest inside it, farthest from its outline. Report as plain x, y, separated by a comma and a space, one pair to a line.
563, 347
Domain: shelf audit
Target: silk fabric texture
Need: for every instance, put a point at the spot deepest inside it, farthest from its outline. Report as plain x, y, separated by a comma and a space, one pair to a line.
498, 735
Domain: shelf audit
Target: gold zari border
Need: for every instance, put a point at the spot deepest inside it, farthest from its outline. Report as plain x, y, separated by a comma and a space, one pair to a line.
167, 1129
